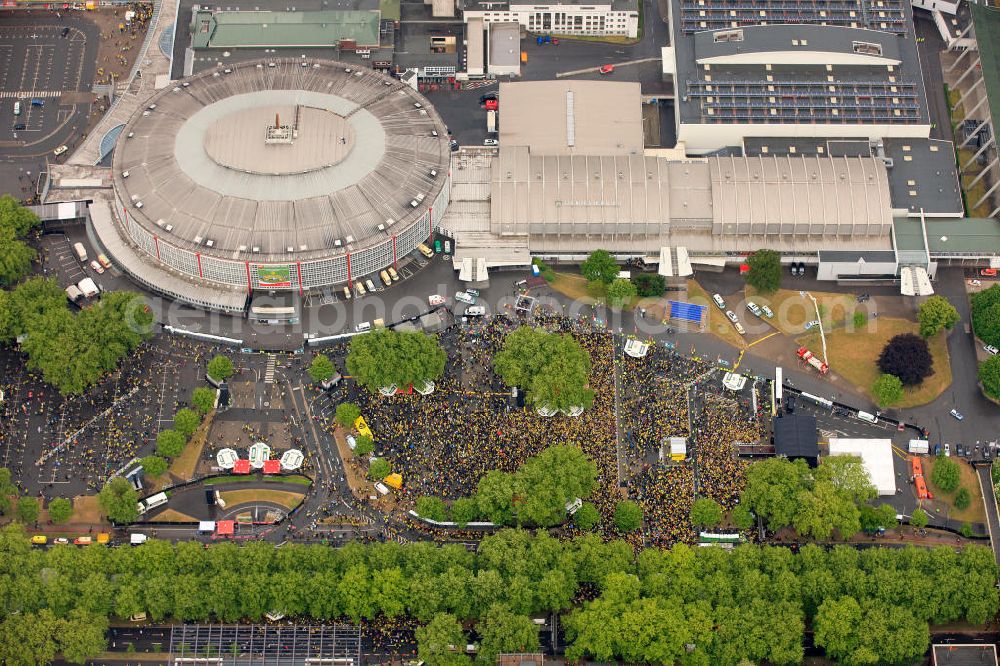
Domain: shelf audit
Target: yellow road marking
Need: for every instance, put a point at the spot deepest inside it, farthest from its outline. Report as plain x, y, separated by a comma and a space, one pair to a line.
769, 335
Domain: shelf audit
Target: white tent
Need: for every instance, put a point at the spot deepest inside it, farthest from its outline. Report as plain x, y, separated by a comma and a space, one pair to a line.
226, 458
259, 452
876, 456
291, 459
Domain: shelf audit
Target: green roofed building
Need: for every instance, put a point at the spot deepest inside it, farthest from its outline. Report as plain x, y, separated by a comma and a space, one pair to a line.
344, 30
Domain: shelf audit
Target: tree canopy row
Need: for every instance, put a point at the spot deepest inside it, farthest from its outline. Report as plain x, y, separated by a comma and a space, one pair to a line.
693, 605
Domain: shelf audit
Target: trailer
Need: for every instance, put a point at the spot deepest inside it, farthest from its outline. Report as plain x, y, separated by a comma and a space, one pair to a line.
491, 122
811, 359
73, 293
88, 287
919, 446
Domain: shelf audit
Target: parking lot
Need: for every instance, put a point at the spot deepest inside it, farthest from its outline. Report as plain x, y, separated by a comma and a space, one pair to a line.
47, 63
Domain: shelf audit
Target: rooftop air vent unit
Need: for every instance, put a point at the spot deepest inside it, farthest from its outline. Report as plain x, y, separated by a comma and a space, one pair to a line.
349, 240
169, 228
337, 243
210, 243
125, 174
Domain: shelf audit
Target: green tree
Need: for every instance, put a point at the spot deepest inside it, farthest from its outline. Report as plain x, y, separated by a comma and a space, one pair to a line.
550, 480
620, 293
628, 516
27, 510
464, 510
364, 445
934, 314
153, 465
384, 357
220, 368
989, 375
378, 469
170, 443
887, 390
586, 517
81, 636
963, 499
495, 497
28, 639
870, 632
765, 271
119, 500
773, 488
918, 518
431, 507
650, 284
321, 369
8, 491
600, 266
16, 217
186, 421
887, 515
506, 631
60, 510
946, 474
29, 303
203, 399
986, 315
741, 517
824, 509
554, 369
706, 512
15, 257
347, 413
847, 473
434, 641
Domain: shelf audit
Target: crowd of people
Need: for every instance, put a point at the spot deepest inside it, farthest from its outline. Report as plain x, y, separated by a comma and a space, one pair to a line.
443, 444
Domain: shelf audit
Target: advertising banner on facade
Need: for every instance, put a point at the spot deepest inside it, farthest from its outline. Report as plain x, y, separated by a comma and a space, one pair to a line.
274, 276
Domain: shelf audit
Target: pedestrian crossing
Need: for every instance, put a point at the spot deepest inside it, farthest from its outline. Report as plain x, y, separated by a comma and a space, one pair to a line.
25, 94
269, 372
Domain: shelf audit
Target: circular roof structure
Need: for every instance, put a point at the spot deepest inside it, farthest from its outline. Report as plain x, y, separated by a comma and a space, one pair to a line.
281, 160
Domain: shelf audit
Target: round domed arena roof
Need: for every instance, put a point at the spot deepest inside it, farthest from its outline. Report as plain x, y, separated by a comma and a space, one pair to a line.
278, 160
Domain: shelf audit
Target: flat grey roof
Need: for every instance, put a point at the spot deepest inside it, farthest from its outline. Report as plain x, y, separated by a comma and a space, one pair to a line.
798, 88
924, 176
803, 39
880, 256
505, 44
808, 146
364, 151
567, 117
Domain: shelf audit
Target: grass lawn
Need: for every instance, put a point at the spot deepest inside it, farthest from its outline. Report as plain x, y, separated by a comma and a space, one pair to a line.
792, 311
853, 355
283, 498
578, 288
944, 504
172, 516
300, 480
718, 324
86, 510
184, 465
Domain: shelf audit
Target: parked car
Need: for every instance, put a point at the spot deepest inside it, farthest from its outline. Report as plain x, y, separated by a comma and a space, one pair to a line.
990, 349
20, 126
351, 442
39, 540
607, 69
97, 267
767, 312
719, 301
490, 142
739, 328
465, 297
947, 450
959, 450
957, 414
752, 307
811, 324
937, 449
435, 299
732, 316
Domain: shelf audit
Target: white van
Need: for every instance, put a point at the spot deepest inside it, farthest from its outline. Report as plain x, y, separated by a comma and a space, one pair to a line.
17, 108
136, 539
81, 251
370, 285
363, 326
475, 311
381, 488
719, 301
865, 416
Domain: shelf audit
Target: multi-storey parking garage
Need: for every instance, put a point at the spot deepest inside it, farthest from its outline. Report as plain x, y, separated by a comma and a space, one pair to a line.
278, 175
